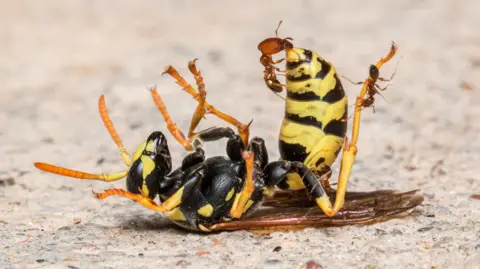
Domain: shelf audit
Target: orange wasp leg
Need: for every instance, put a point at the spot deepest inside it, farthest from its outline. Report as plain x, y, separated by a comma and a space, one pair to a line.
243, 129
83, 175
350, 149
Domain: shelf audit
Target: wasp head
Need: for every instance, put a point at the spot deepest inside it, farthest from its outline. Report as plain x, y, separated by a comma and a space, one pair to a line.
151, 162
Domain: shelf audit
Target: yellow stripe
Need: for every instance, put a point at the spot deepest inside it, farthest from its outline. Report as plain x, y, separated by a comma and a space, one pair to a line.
139, 151
148, 166
320, 110
230, 194
205, 210
248, 205
294, 182
175, 214
319, 86
326, 149
150, 147
294, 133
174, 200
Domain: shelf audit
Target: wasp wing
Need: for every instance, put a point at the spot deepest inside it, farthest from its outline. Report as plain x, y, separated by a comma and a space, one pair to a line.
362, 209
300, 198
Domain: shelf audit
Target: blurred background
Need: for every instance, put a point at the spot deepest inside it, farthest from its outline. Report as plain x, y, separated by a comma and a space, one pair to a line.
58, 57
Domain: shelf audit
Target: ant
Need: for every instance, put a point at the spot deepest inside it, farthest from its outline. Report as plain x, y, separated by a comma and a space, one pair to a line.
268, 48
370, 86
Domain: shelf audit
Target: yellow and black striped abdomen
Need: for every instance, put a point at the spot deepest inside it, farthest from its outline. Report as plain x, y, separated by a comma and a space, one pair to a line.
314, 125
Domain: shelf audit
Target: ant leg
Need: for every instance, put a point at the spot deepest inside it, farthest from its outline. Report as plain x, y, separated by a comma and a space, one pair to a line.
351, 81
277, 62
171, 126
243, 129
83, 175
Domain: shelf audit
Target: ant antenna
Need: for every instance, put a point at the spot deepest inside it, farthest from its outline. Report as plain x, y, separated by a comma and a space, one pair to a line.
276, 30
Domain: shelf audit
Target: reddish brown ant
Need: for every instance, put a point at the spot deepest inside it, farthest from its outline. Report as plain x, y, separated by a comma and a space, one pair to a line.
269, 47
370, 86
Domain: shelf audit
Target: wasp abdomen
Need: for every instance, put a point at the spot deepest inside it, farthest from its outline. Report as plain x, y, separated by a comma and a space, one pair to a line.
314, 125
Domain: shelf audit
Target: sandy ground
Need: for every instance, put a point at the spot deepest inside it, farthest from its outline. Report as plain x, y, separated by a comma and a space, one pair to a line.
57, 57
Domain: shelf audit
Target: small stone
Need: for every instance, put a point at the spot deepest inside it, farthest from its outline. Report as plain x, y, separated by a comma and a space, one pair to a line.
425, 229
9, 181
76, 220
430, 215
273, 262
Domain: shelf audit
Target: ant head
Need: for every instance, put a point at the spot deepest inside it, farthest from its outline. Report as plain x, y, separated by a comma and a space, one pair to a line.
151, 162
274, 45
374, 72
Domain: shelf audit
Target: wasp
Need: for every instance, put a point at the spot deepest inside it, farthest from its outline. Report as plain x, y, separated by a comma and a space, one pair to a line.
218, 193
313, 130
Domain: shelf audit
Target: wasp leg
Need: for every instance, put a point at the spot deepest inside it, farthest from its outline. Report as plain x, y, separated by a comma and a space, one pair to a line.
140, 198
202, 94
361, 211
193, 158
78, 174
276, 172
188, 189
83, 175
393, 50
260, 152
243, 129
241, 200
171, 126
102, 108
350, 149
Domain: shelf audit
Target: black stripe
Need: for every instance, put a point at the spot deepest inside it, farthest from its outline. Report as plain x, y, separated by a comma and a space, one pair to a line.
308, 55
337, 127
292, 152
306, 96
293, 65
320, 161
301, 78
336, 94
309, 120
325, 69
310, 181
308, 58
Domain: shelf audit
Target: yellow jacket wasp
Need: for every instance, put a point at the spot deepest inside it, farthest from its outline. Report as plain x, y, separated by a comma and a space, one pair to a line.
217, 193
